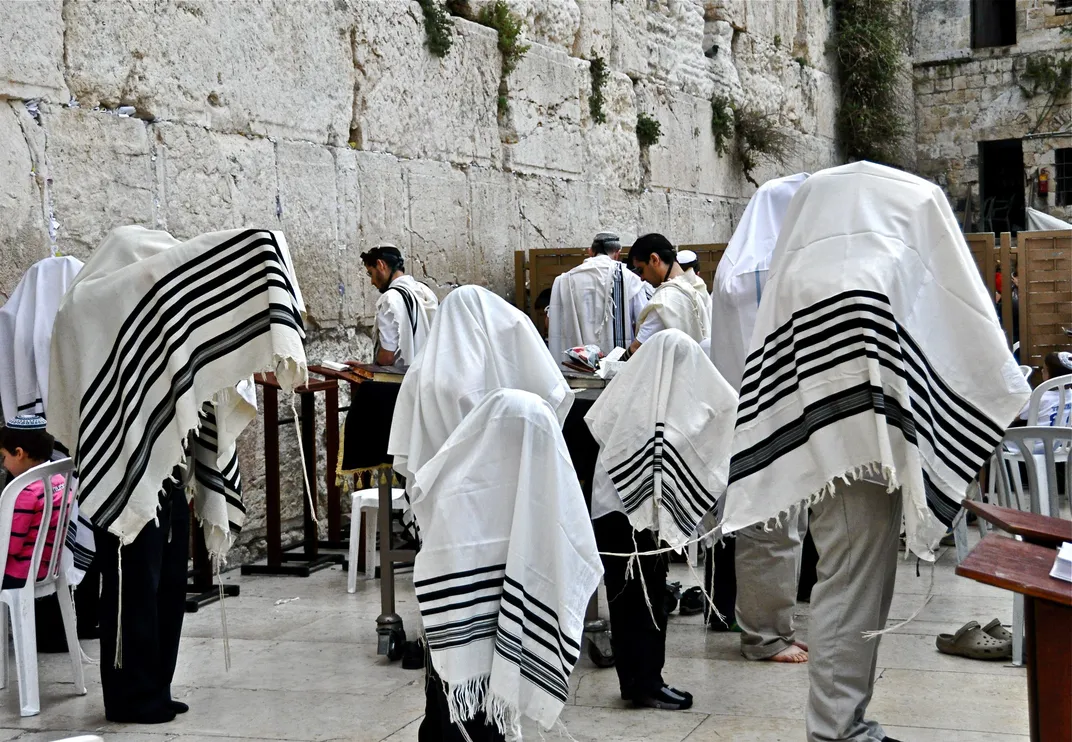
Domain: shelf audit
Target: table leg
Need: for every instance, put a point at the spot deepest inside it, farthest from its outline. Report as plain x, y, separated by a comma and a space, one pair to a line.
388, 624
274, 534
1049, 669
308, 436
331, 440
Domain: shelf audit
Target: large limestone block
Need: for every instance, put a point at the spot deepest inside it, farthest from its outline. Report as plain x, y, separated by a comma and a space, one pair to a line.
619, 212
23, 237
439, 225
496, 228
102, 175
557, 213
209, 181
596, 31
774, 20
358, 294
31, 50
654, 212
270, 67
544, 120
685, 158
770, 79
815, 32
611, 151
416, 105
940, 26
308, 214
699, 220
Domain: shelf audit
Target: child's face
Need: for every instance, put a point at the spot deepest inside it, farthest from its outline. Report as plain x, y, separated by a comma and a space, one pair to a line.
16, 463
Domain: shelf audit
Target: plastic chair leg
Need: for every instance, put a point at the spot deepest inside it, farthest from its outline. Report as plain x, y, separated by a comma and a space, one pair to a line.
70, 628
960, 535
3, 645
1018, 630
371, 529
24, 632
355, 537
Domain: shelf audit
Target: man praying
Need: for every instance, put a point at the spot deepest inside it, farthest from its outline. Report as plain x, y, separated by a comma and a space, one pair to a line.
404, 311
677, 302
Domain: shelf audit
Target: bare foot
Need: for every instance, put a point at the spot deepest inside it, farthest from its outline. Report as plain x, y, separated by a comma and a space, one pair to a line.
802, 645
793, 655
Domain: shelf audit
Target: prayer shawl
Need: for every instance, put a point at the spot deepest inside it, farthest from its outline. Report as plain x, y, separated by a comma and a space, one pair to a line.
697, 281
681, 305
478, 343
508, 562
664, 427
148, 347
412, 305
590, 305
742, 274
876, 352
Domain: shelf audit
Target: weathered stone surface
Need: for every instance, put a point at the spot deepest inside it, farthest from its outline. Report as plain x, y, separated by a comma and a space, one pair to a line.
209, 181
773, 21
611, 152
308, 214
102, 175
697, 220
940, 26
544, 207
413, 104
734, 12
654, 212
544, 120
269, 66
595, 34
553, 23
23, 237
619, 212
439, 225
31, 50
496, 228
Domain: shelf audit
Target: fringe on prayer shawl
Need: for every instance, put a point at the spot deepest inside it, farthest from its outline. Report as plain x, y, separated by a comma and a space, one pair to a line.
466, 700
379, 473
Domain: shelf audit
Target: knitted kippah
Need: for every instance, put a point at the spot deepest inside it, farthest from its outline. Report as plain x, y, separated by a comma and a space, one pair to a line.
27, 422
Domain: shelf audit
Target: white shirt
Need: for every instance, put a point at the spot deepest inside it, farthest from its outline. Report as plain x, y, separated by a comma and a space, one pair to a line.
391, 312
652, 324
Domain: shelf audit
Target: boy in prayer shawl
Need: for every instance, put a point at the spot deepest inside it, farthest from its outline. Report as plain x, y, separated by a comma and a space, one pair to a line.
678, 302
690, 263
479, 344
767, 561
663, 461
877, 384
597, 303
404, 311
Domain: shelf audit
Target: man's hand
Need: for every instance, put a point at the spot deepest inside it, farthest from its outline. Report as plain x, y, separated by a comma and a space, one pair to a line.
386, 357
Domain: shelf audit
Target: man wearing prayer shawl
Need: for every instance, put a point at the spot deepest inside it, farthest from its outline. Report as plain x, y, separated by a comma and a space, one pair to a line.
878, 382
678, 302
151, 347
663, 461
767, 560
404, 311
596, 303
508, 560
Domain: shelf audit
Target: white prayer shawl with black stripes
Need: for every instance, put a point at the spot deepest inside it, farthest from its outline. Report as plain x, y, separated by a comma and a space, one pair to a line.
876, 352
412, 305
664, 426
682, 304
591, 305
148, 346
508, 562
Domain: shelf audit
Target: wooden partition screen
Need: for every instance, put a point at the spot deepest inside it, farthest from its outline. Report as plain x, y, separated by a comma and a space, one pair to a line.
1045, 293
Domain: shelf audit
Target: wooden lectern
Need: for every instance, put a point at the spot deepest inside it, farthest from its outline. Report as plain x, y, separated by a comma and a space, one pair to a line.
1025, 568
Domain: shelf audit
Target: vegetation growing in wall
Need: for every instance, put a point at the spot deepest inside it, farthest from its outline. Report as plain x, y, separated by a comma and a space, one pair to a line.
508, 26
648, 130
438, 27
598, 69
869, 42
1049, 76
754, 135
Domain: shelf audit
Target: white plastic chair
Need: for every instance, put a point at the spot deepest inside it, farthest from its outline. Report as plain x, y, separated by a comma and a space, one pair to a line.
367, 501
1063, 386
19, 602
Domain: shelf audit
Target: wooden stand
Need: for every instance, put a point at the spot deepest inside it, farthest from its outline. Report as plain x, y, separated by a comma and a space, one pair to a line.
1024, 568
309, 560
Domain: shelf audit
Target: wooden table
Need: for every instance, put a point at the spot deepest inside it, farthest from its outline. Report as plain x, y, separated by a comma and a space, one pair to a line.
310, 559
1043, 530
1025, 568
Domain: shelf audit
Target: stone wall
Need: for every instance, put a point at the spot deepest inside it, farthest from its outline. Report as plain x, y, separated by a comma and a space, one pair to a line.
330, 120
965, 96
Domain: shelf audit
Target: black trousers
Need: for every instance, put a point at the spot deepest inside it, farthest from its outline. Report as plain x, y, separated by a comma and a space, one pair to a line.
153, 605
436, 725
639, 642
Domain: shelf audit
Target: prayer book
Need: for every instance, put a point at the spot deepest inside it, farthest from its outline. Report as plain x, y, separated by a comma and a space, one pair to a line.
375, 372
1062, 565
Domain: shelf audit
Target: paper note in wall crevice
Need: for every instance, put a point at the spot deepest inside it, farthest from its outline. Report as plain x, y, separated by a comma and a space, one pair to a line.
1062, 565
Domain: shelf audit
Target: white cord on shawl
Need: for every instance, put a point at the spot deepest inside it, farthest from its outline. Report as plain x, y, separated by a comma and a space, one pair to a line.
217, 561
868, 635
119, 618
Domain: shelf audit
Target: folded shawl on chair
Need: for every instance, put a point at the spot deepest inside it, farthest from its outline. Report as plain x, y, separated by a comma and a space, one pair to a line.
507, 564
664, 426
148, 347
876, 352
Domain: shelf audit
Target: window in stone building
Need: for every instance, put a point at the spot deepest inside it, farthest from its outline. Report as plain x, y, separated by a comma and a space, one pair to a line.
1002, 185
1063, 177
993, 23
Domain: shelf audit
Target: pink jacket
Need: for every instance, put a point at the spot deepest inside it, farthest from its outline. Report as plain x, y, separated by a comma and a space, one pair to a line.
29, 510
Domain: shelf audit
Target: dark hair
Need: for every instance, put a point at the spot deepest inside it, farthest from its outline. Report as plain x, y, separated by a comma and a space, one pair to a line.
695, 265
1053, 364
36, 443
652, 244
543, 300
606, 243
389, 254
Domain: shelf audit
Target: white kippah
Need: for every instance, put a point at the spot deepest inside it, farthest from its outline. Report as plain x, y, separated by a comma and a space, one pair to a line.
1065, 358
686, 256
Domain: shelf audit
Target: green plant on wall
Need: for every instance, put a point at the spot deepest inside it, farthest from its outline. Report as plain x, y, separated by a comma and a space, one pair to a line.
1049, 76
509, 28
648, 130
869, 43
753, 135
438, 27
598, 69
722, 123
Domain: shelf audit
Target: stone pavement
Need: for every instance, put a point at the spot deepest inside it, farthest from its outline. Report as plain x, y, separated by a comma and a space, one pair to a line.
307, 670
